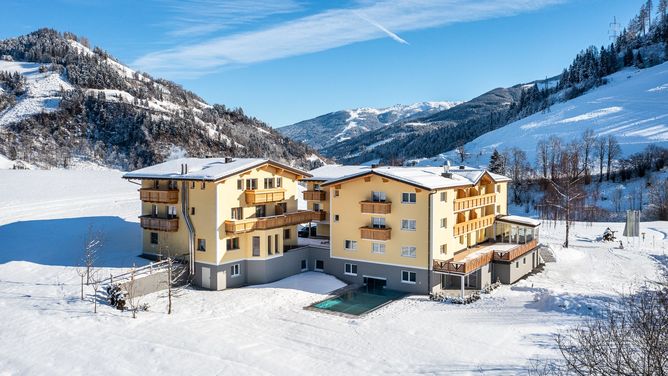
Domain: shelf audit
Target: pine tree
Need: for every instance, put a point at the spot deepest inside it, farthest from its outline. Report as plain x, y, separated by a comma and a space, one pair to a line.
496, 163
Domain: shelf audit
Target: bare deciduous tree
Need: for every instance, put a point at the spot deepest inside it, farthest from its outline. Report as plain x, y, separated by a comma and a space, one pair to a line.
613, 151
461, 152
600, 152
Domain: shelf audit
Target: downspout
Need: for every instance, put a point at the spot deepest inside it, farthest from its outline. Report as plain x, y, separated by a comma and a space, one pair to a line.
429, 235
191, 228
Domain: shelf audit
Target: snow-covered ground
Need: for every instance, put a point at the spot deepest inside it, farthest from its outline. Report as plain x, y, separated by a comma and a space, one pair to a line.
46, 329
43, 91
632, 106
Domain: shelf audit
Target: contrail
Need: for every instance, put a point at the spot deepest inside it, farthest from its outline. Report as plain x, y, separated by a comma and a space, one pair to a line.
382, 28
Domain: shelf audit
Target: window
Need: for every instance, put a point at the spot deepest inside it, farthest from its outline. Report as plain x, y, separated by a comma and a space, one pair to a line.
281, 208
336, 193
378, 248
303, 265
350, 245
378, 197
192, 211
171, 184
154, 210
408, 198
498, 188
232, 244
319, 265
378, 222
316, 187
350, 269
171, 211
498, 209
444, 196
279, 182
260, 211
408, 251
517, 264
316, 206
235, 270
408, 225
237, 213
251, 184
154, 238
201, 245
192, 185
286, 233
524, 260
256, 246
444, 222
203, 185
336, 217
444, 249
269, 245
268, 183
156, 184
240, 184
408, 277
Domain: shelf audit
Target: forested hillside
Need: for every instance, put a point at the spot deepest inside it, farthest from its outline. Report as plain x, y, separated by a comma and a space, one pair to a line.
62, 102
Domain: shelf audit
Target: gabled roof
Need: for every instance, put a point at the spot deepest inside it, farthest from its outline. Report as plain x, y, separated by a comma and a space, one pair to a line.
422, 177
208, 169
329, 172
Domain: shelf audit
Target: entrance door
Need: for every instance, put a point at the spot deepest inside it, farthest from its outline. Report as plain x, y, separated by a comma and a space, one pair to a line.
206, 277
374, 284
256, 246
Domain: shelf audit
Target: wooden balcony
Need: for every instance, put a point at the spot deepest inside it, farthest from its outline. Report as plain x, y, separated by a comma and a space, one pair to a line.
162, 196
371, 233
374, 207
315, 195
465, 265
263, 196
266, 223
512, 254
474, 202
159, 224
473, 225
322, 216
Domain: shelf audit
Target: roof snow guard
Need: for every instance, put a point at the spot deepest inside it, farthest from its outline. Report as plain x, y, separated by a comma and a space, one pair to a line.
207, 169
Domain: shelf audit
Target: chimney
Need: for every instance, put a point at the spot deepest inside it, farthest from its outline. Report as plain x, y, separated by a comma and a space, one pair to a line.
185, 169
228, 159
446, 170
181, 168
461, 167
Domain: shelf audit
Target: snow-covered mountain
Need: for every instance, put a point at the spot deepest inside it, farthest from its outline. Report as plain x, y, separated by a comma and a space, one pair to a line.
335, 127
632, 106
63, 104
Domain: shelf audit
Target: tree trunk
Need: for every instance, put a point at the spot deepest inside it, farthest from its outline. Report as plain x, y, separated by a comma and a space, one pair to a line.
82, 283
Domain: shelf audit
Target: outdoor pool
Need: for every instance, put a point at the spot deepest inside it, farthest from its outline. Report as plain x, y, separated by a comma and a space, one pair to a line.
360, 301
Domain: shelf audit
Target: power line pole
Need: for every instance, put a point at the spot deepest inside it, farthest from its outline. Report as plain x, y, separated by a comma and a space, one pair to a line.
613, 29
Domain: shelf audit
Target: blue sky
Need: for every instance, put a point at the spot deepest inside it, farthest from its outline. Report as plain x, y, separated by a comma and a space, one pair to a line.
290, 60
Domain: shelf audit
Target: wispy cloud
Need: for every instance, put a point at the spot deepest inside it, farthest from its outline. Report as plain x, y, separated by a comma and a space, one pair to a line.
191, 18
326, 30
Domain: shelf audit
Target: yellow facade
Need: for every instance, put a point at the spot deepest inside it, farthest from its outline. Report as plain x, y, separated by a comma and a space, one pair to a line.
210, 210
438, 215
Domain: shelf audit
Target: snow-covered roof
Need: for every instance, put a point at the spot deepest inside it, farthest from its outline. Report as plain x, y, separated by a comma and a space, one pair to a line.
211, 169
424, 177
519, 220
328, 172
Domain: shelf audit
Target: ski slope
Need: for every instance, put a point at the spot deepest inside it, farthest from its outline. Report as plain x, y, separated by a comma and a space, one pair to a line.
632, 106
264, 330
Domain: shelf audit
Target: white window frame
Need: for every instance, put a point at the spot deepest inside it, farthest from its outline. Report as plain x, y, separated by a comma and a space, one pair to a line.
352, 243
378, 248
378, 221
405, 225
444, 196
410, 195
408, 281
350, 266
444, 222
409, 254
443, 249
382, 196
236, 271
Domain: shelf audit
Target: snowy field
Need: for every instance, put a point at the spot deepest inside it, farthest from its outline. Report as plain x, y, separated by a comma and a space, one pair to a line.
46, 329
632, 106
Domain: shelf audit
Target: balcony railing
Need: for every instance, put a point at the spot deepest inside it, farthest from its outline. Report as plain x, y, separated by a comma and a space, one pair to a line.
473, 225
511, 254
474, 202
315, 195
371, 233
464, 266
375, 207
159, 224
265, 223
263, 196
163, 196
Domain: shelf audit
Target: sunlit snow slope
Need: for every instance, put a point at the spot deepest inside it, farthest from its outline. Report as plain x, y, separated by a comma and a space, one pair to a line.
632, 106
